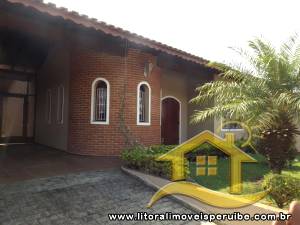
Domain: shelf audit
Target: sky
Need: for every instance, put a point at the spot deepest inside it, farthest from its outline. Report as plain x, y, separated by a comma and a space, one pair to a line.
206, 28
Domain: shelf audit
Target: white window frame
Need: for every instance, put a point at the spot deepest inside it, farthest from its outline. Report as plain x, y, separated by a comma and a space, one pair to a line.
93, 101
49, 106
229, 129
60, 96
138, 104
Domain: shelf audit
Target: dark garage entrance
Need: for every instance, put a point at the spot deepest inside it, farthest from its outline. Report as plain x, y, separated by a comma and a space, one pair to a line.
34, 81
20, 57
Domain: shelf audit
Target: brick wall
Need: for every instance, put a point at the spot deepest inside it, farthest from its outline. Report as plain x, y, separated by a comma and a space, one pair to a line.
94, 139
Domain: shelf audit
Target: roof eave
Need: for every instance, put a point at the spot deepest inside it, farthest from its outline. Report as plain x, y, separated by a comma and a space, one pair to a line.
84, 20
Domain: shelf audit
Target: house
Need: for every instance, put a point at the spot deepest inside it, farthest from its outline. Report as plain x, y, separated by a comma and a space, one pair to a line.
227, 146
79, 85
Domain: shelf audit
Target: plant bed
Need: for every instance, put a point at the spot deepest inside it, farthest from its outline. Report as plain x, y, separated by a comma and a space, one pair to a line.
253, 174
144, 159
157, 182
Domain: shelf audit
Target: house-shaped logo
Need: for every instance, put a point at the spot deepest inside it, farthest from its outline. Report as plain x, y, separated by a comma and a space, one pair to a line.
226, 145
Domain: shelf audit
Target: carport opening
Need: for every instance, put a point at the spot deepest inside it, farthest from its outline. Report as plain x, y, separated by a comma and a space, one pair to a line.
21, 55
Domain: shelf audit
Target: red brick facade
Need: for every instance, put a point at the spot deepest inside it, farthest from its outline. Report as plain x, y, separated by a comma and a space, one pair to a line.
97, 139
82, 50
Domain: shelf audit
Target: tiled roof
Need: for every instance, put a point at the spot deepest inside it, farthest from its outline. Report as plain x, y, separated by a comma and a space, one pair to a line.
53, 10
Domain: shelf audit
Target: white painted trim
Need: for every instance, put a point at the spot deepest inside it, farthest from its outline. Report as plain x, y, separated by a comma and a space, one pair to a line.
63, 104
137, 104
180, 116
233, 129
228, 130
49, 105
93, 101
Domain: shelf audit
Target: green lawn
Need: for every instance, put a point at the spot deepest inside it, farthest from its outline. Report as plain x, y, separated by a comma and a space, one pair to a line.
295, 168
252, 174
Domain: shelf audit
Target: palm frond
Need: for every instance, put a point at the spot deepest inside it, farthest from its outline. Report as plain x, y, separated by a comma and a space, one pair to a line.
287, 49
257, 94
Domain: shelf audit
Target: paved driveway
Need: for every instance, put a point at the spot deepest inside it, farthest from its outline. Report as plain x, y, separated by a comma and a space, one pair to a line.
30, 161
84, 198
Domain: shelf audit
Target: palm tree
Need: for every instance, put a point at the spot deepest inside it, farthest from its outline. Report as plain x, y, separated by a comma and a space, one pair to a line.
264, 93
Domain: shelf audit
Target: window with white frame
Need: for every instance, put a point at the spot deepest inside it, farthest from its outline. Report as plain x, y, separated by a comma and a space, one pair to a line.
228, 124
100, 101
143, 104
49, 106
60, 104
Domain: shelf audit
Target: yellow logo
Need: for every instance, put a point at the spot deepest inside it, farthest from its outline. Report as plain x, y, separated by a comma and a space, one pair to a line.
177, 157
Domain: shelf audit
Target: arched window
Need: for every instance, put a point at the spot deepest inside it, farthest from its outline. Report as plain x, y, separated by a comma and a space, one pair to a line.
143, 104
100, 101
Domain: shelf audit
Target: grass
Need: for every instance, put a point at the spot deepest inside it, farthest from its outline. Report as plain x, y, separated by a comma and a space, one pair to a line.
252, 174
294, 170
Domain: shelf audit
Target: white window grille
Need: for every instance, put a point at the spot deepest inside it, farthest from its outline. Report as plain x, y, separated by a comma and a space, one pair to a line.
101, 102
142, 105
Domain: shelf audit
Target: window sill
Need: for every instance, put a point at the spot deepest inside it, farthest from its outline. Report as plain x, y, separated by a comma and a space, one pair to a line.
233, 129
99, 123
143, 124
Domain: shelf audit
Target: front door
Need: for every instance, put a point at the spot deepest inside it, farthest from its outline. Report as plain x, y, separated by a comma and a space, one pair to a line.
170, 121
16, 109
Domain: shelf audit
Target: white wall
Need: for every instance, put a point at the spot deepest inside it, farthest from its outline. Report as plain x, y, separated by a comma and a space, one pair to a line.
182, 87
193, 83
53, 73
238, 134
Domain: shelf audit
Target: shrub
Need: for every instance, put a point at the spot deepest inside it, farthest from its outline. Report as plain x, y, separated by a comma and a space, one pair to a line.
277, 143
283, 189
248, 149
144, 159
160, 149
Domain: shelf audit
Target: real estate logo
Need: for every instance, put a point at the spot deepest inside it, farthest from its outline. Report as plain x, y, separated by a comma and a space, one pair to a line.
207, 165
